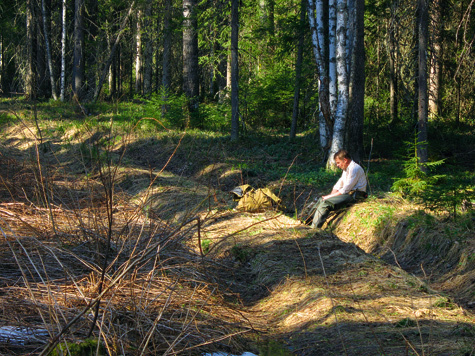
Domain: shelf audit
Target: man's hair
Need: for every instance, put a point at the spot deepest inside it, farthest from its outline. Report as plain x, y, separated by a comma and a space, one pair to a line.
342, 154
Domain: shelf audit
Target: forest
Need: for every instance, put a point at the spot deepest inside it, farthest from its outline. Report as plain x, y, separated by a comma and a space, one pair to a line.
126, 124
348, 69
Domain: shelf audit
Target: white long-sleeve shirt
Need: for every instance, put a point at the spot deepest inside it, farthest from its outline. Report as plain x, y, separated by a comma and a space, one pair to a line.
352, 178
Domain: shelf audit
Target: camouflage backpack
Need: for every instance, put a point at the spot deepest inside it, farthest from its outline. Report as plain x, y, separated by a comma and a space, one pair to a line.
253, 200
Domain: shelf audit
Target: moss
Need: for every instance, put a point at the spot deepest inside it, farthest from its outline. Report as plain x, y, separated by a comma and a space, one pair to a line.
88, 347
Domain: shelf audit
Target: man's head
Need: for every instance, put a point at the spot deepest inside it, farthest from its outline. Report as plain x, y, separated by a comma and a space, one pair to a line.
342, 159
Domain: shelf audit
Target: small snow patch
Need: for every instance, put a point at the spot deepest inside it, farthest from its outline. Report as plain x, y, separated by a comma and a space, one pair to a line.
21, 336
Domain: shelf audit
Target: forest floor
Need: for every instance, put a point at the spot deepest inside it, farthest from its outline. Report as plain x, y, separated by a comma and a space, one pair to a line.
384, 277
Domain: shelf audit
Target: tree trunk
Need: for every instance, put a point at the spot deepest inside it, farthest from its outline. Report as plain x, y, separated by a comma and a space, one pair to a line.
92, 50
317, 29
48, 50
42, 79
234, 70
436, 60
338, 139
350, 37
190, 54
167, 43
228, 74
78, 61
1, 64
138, 54
31, 55
271, 17
148, 49
332, 71
298, 71
422, 109
393, 64
357, 86
63, 50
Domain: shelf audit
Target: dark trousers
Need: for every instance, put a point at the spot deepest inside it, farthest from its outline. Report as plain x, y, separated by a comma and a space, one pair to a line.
324, 207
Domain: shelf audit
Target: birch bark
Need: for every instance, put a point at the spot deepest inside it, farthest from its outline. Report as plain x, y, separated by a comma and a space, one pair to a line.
332, 38
316, 22
63, 51
138, 54
338, 139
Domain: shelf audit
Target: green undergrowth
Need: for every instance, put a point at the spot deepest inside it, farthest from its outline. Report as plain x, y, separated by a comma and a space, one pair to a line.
263, 156
88, 347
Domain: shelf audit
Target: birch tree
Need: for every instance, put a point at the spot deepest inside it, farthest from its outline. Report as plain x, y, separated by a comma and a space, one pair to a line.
332, 63
316, 20
138, 53
333, 75
338, 138
63, 50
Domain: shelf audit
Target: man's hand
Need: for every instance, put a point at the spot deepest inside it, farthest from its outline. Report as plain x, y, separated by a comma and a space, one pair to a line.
334, 193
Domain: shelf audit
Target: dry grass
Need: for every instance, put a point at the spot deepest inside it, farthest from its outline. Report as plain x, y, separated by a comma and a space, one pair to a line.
152, 262
81, 258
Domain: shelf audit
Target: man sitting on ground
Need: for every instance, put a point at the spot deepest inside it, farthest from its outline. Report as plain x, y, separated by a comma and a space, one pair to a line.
350, 186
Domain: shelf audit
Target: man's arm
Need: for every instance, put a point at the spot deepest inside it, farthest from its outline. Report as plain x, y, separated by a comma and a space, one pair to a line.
334, 193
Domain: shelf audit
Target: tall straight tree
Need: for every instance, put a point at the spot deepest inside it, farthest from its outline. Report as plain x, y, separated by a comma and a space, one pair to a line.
190, 54
422, 107
78, 55
48, 50
339, 133
93, 51
436, 26
316, 20
298, 70
332, 61
357, 84
63, 50
167, 45
30, 50
334, 88
393, 61
148, 49
234, 70
138, 53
